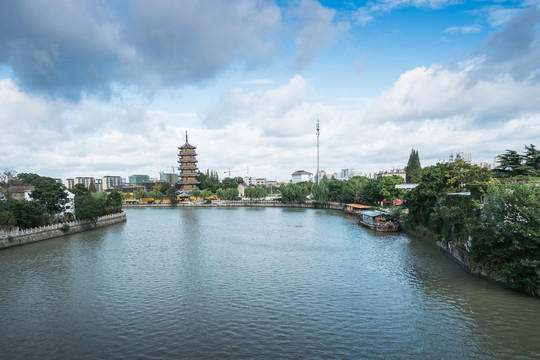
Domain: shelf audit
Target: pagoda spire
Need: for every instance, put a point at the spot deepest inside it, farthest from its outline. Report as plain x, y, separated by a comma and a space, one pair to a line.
186, 138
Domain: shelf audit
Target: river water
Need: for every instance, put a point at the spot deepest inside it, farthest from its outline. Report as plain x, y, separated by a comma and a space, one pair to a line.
255, 283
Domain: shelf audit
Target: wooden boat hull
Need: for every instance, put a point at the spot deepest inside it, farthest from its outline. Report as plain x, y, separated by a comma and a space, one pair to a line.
384, 227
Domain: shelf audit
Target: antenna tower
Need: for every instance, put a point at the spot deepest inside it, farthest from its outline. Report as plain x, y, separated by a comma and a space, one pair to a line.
318, 132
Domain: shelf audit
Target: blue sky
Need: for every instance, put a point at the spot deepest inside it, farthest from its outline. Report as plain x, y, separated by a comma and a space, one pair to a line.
93, 88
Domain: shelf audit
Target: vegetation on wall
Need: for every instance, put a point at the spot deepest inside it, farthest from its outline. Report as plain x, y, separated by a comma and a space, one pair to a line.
508, 235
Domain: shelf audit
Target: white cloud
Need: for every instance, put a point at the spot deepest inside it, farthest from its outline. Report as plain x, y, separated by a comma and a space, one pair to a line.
464, 29
317, 31
367, 13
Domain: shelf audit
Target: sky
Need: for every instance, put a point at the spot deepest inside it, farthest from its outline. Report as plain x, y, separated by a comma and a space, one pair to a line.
95, 87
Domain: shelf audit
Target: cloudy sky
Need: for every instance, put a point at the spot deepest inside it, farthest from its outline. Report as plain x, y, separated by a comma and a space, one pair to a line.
93, 88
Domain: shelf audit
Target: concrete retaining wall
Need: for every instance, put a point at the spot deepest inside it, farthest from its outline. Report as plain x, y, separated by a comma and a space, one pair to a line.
28, 236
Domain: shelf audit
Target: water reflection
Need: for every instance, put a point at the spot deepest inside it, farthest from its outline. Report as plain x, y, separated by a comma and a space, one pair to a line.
252, 283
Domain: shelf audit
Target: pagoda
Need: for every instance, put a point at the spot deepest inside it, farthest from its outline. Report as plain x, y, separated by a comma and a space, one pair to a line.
188, 169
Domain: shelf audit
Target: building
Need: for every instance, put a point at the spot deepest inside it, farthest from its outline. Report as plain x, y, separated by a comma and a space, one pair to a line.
168, 177
398, 172
85, 180
347, 173
188, 169
69, 183
260, 182
301, 176
98, 185
137, 180
151, 184
111, 182
242, 190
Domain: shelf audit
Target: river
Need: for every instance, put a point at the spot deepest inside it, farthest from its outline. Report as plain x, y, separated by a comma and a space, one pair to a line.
255, 283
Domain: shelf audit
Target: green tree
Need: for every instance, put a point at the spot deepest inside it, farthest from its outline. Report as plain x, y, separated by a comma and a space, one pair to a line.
220, 193
92, 187
79, 189
164, 188
114, 202
88, 207
293, 192
387, 187
171, 195
320, 192
229, 183
532, 159
140, 194
29, 178
512, 164
206, 193
335, 189
7, 220
28, 214
433, 205
413, 168
196, 193
231, 193
49, 193
508, 237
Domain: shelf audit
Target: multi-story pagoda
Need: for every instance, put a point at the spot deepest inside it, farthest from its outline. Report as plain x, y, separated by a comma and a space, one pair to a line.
188, 169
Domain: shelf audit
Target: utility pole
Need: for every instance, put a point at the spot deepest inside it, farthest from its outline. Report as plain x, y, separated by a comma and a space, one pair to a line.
318, 132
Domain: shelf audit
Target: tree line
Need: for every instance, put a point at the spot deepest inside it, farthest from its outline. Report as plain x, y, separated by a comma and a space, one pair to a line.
49, 202
495, 214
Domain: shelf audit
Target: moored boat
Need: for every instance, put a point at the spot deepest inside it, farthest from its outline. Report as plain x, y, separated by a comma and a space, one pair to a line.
377, 220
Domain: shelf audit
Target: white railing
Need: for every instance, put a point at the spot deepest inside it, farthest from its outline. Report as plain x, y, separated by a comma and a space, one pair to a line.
57, 226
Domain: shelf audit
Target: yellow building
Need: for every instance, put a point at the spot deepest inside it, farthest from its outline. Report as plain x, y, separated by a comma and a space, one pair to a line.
188, 169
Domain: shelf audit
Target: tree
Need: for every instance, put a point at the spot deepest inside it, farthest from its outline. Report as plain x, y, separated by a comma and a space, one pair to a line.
508, 236
413, 168
447, 198
28, 214
231, 193
206, 193
320, 192
532, 159
49, 193
220, 193
164, 188
7, 220
79, 189
196, 193
387, 187
293, 192
140, 194
114, 202
171, 195
88, 207
29, 178
7, 176
229, 183
512, 164
92, 187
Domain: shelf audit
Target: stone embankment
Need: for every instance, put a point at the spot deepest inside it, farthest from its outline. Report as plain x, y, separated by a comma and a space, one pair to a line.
243, 203
27, 236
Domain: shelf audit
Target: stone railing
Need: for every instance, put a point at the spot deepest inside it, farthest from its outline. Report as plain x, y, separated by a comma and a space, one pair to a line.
40, 229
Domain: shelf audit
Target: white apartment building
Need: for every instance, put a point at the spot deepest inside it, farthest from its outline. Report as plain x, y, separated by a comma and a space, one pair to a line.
69, 183
301, 176
98, 185
111, 182
86, 181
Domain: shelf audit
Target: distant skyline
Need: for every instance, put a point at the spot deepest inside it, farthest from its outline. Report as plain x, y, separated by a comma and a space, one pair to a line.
91, 88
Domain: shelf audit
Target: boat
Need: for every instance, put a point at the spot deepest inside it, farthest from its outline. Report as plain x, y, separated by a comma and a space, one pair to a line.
354, 209
377, 220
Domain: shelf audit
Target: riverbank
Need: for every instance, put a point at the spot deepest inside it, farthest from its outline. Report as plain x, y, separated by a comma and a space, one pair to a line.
461, 253
28, 236
243, 203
